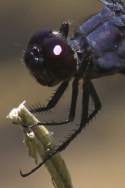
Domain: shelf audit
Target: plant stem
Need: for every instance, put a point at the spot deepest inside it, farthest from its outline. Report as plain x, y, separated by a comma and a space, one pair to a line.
40, 142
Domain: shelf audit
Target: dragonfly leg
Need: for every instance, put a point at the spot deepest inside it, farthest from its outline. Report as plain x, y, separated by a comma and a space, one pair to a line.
72, 107
53, 101
96, 100
85, 102
88, 90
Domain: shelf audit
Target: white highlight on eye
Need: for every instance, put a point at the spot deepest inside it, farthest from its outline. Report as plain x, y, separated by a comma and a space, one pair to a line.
57, 50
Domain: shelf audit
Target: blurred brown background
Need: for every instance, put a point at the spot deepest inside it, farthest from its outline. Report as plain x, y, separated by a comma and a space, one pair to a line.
97, 157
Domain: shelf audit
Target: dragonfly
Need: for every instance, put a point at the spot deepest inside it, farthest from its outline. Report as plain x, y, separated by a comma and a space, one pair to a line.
96, 49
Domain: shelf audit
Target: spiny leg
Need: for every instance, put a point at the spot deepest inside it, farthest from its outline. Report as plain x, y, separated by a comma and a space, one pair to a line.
88, 89
54, 100
92, 93
96, 100
85, 102
72, 107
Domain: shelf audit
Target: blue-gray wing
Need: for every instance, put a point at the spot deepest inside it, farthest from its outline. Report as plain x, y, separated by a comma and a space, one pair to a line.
110, 8
115, 5
105, 34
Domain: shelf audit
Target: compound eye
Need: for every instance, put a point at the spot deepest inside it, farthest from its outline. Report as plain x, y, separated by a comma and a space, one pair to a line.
57, 50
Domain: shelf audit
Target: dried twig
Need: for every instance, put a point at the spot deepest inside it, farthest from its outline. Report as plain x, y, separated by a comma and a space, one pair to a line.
40, 142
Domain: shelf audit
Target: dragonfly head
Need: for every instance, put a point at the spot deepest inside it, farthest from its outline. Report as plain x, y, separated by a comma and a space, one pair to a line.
49, 57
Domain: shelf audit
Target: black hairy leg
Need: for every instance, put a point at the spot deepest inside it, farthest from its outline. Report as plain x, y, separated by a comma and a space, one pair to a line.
53, 101
72, 107
96, 100
88, 90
